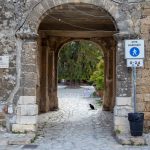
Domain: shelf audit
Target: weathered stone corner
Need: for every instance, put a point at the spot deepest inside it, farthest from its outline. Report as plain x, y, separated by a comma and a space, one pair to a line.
26, 115
122, 108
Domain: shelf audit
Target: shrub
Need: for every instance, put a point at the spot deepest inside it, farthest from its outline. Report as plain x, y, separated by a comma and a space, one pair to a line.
98, 76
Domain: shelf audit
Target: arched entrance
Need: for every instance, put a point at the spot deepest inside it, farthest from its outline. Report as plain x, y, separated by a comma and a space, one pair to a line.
64, 24
100, 50
47, 28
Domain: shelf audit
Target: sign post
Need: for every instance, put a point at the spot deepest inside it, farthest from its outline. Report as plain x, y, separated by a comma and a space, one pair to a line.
134, 86
134, 54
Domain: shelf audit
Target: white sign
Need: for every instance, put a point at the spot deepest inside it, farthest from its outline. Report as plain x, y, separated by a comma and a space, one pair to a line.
4, 61
134, 49
135, 62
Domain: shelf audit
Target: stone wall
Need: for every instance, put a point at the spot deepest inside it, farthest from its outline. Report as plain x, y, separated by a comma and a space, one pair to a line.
26, 111
143, 82
8, 77
131, 16
7, 47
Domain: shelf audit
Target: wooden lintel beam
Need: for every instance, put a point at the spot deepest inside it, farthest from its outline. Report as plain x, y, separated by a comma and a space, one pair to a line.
77, 34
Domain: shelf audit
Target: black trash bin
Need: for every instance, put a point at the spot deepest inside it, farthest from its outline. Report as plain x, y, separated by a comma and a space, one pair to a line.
136, 123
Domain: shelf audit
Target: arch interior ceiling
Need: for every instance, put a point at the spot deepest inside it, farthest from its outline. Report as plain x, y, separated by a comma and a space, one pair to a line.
74, 19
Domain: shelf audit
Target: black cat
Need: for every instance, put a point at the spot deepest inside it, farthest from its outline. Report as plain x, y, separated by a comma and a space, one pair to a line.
92, 107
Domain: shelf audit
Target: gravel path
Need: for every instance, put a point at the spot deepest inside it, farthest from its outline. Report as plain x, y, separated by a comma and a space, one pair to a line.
75, 126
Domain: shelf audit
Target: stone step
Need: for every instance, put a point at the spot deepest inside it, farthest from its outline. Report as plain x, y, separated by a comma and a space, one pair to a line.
16, 139
2, 122
126, 139
2, 115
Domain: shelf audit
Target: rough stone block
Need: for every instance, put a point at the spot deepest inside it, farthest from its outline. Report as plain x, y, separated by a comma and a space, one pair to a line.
2, 115
23, 128
3, 141
144, 89
28, 68
147, 115
121, 121
28, 91
147, 107
27, 100
122, 129
147, 97
28, 59
123, 140
27, 110
122, 111
28, 83
140, 107
147, 138
29, 76
127, 139
123, 101
2, 107
26, 119
140, 98
137, 140
10, 109
147, 124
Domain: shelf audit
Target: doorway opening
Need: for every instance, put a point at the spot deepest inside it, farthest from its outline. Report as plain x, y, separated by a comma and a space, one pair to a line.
64, 24
81, 66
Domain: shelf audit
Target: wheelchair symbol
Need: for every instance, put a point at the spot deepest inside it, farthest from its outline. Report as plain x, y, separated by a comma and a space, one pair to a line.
134, 51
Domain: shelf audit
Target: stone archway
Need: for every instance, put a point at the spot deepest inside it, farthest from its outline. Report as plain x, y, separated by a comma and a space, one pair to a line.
28, 44
109, 56
48, 99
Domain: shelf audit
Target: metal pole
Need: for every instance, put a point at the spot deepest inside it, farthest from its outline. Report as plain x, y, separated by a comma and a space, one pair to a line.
134, 86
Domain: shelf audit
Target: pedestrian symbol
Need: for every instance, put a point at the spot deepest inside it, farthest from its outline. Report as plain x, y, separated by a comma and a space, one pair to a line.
134, 51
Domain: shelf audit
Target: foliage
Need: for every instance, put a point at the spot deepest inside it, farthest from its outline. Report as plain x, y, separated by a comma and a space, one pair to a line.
98, 76
117, 131
77, 61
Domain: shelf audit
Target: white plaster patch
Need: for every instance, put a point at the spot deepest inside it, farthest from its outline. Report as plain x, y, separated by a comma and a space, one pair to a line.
23, 128
123, 101
27, 110
25, 100
26, 119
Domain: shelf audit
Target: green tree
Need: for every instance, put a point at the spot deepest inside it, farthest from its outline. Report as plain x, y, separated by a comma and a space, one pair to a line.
98, 75
77, 61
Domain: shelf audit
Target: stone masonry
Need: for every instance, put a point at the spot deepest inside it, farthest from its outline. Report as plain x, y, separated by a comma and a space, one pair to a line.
27, 111
19, 39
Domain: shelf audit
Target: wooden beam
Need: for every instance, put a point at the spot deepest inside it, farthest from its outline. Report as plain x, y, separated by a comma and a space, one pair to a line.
77, 34
72, 26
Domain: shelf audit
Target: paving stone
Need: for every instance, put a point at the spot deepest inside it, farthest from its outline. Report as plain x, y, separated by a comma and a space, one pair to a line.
21, 139
30, 146
23, 128
76, 127
3, 141
126, 139
147, 138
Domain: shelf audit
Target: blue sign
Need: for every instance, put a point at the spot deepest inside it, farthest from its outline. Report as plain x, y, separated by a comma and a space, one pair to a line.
134, 51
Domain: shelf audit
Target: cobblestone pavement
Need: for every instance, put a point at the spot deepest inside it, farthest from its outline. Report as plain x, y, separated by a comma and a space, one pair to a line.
76, 127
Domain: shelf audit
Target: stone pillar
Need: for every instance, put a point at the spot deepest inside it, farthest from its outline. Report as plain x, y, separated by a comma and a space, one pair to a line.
123, 91
108, 95
52, 75
107, 98
44, 97
26, 108
113, 64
